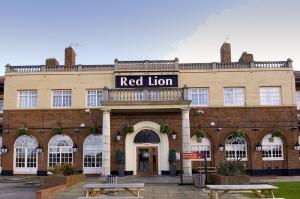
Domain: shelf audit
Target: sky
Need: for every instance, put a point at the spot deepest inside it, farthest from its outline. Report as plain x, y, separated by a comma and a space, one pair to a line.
192, 30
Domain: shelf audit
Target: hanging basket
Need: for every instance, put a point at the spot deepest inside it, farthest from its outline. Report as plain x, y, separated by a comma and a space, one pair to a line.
56, 131
129, 129
165, 129
22, 131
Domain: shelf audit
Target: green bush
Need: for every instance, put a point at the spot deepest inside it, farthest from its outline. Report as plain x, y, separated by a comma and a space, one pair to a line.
22, 131
164, 128
129, 129
56, 131
201, 134
94, 130
172, 156
63, 170
277, 133
238, 133
231, 168
120, 157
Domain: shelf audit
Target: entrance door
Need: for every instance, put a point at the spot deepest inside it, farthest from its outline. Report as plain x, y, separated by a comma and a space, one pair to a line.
147, 161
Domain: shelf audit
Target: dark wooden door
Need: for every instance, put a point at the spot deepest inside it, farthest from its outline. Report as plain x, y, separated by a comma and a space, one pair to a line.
147, 164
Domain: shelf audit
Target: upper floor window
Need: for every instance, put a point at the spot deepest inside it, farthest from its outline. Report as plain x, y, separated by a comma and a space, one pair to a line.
270, 95
62, 98
28, 99
199, 96
234, 96
298, 99
1, 105
94, 98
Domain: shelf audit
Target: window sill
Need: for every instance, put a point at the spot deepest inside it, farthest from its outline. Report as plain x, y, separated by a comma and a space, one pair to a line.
272, 159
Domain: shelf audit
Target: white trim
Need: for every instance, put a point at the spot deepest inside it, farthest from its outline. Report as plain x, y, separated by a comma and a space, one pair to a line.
130, 147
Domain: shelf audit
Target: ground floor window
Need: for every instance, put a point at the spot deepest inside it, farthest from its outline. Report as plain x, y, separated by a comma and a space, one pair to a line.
92, 154
235, 148
25, 154
272, 148
60, 150
202, 145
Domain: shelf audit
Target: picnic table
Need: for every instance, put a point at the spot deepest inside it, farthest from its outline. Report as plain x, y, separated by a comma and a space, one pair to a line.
260, 190
98, 189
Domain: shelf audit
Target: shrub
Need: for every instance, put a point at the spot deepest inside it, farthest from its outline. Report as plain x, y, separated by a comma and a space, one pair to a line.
63, 170
164, 128
238, 133
129, 129
200, 134
120, 157
277, 133
56, 131
172, 156
231, 168
22, 131
94, 130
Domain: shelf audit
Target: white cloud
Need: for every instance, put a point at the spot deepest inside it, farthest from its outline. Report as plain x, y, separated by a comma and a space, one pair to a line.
270, 29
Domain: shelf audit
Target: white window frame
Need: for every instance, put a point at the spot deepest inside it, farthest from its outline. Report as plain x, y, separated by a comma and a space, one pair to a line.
62, 144
98, 96
27, 144
31, 95
267, 145
235, 96
205, 145
1, 105
236, 145
63, 92
298, 99
267, 97
199, 94
93, 145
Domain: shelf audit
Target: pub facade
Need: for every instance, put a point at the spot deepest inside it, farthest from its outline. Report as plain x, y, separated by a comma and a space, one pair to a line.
85, 114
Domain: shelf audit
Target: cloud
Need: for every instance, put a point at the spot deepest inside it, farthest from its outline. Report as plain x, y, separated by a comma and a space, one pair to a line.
267, 28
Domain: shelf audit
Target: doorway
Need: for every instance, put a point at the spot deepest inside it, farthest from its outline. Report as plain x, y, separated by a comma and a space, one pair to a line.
147, 164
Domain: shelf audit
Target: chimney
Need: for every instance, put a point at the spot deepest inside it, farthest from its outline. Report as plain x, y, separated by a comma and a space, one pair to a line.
69, 56
246, 58
225, 52
50, 62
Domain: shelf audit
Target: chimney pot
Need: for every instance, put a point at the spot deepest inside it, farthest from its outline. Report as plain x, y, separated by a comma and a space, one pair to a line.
225, 52
69, 56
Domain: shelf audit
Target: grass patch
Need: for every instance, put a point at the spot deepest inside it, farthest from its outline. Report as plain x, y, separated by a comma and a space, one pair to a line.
288, 190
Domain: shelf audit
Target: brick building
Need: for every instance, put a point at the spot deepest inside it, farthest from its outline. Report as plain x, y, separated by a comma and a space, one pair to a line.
78, 114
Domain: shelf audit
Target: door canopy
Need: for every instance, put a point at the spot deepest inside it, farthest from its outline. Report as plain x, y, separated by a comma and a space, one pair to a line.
146, 136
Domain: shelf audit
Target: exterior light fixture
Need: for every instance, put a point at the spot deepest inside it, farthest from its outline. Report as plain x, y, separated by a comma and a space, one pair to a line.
258, 147
174, 135
82, 125
219, 129
42, 130
3, 149
297, 147
75, 148
77, 130
212, 124
294, 128
255, 129
39, 149
221, 147
6, 131
119, 136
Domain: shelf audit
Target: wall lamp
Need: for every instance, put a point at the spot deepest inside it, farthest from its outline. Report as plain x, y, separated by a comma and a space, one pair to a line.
75, 148
221, 147
3, 149
219, 129
119, 136
77, 130
174, 135
297, 147
258, 147
39, 149
294, 128
42, 130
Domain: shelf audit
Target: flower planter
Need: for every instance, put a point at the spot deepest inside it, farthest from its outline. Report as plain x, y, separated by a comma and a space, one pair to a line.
213, 178
52, 181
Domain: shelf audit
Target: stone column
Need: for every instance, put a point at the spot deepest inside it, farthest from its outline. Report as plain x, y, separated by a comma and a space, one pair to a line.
106, 140
186, 140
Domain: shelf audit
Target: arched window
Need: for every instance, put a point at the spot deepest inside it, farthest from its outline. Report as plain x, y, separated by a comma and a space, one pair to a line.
146, 136
235, 148
202, 145
272, 148
60, 150
0, 154
25, 156
92, 154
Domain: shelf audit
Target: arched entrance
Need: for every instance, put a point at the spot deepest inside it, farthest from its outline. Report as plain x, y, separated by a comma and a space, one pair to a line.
25, 155
146, 150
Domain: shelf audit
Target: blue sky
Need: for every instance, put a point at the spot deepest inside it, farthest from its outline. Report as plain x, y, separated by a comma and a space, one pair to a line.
192, 30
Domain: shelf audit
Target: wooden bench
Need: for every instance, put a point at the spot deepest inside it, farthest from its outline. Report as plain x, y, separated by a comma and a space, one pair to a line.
260, 190
98, 189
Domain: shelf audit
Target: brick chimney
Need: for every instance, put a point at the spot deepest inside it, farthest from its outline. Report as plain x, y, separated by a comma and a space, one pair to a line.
246, 58
50, 62
69, 56
225, 52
